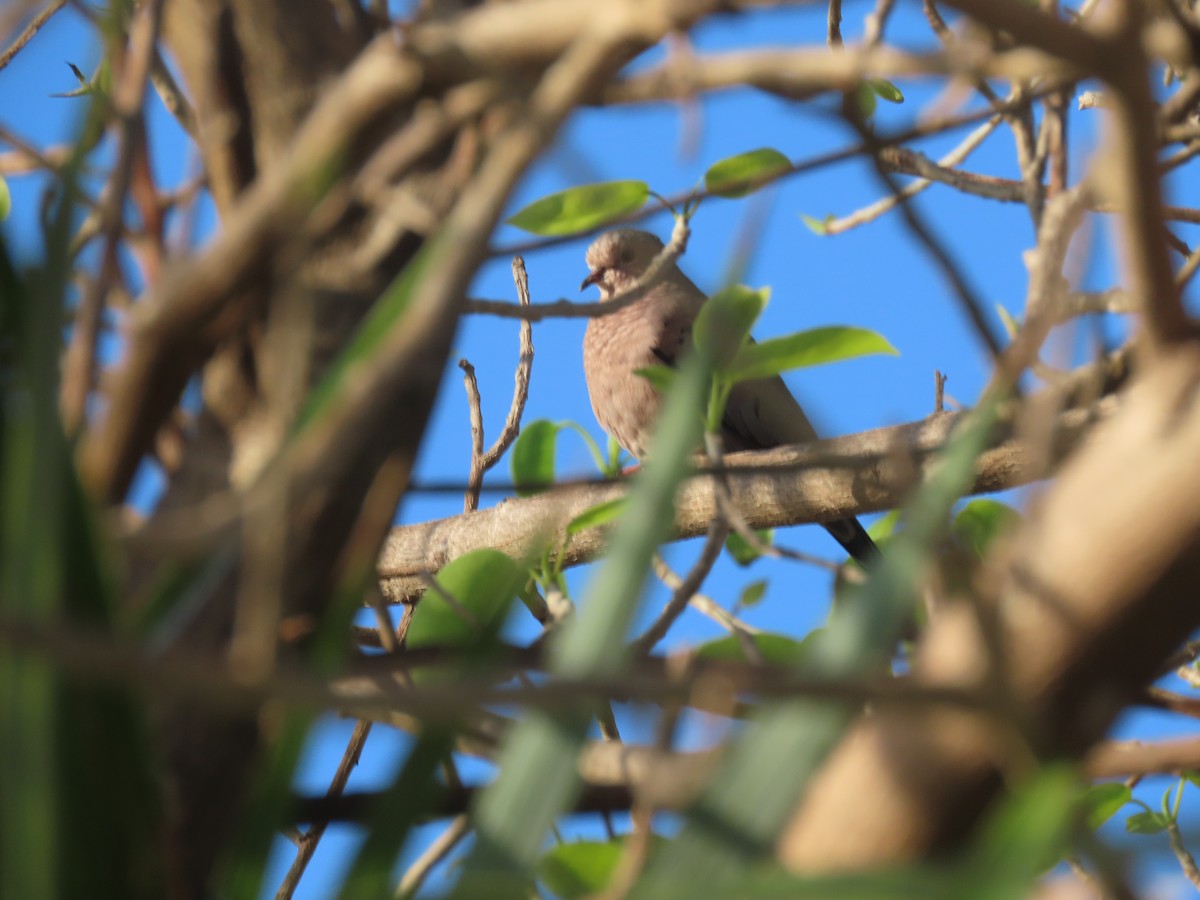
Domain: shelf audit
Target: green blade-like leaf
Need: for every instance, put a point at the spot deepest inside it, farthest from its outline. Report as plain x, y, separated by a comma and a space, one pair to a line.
806, 348
752, 593
581, 208
538, 778
1011, 325
745, 173
532, 458
5, 199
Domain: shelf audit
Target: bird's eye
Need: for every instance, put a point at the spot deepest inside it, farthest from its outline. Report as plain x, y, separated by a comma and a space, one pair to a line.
626, 256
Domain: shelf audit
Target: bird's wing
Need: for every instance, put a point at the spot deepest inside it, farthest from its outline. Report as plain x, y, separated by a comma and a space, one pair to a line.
763, 413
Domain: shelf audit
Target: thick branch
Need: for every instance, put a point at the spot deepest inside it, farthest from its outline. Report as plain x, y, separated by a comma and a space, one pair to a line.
820, 482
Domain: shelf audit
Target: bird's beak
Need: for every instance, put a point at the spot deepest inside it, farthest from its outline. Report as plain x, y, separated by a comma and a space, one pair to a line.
592, 278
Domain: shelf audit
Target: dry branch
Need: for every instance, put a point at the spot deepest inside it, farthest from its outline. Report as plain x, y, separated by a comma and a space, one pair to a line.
821, 482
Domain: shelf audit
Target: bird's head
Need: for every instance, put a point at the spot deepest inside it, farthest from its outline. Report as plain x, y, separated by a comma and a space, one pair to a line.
617, 259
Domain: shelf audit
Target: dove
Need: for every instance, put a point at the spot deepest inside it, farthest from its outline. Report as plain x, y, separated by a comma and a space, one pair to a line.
656, 330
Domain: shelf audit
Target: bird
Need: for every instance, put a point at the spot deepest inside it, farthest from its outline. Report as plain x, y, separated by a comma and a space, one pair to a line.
656, 329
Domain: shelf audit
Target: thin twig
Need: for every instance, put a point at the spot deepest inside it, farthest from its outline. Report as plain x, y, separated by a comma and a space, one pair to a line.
482, 461
310, 839
441, 846
31, 29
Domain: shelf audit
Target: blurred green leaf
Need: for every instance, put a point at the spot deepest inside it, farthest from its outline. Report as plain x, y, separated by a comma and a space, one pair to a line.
737, 176
724, 322
885, 89
817, 226
1147, 823
1192, 777
579, 869
864, 99
752, 593
660, 377
532, 458
5, 199
581, 208
981, 521
806, 348
469, 601
741, 551
1030, 829
538, 778
595, 516
776, 649
1100, 802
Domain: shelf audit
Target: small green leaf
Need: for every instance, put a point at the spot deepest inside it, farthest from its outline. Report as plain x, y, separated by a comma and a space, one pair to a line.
593, 517
776, 649
725, 321
752, 593
741, 551
581, 208
885, 89
807, 348
1029, 830
579, 869
743, 174
5, 199
817, 226
469, 602
1192, 777
1100, 802
660, 377
980, 522
533, 457
1146, 823
864, 99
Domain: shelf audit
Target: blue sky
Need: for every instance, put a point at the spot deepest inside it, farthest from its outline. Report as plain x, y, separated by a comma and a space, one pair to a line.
876, 276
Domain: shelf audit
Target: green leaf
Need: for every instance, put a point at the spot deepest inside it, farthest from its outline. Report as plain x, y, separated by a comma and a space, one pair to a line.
776, 649
581, 208
752, 593
480, 585
745, 173
885, 89
817, 226
579, 869
1100, 802
1030, 829
725, 321
1146, 823
741, 551
864, 99
1191, 776
5, 199
981, 521
806, 348
660, 377
538, 778
532, 458
595, 516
